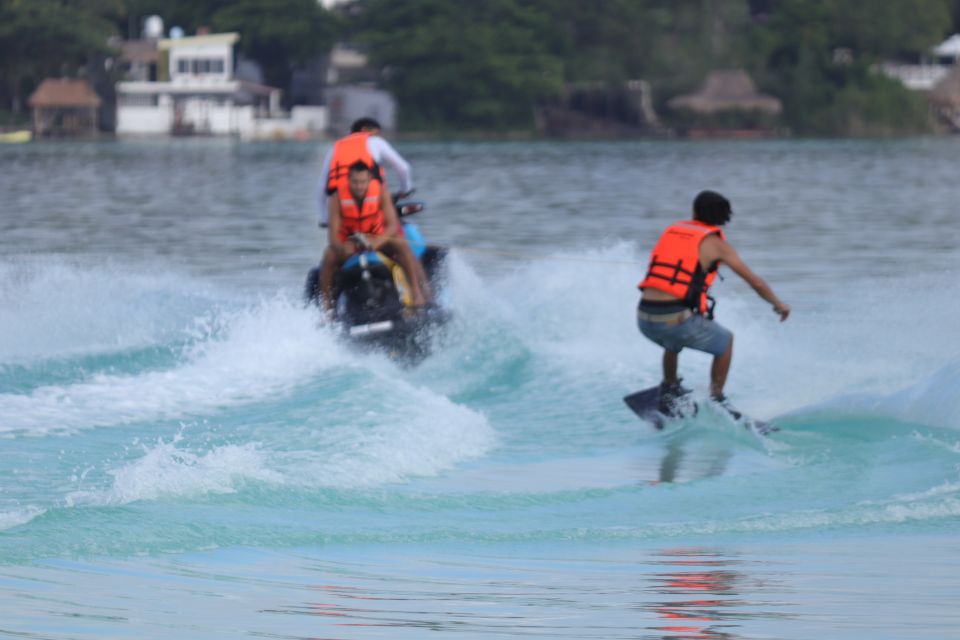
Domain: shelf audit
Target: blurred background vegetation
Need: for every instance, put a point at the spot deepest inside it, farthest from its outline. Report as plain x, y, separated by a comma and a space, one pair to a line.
484, 65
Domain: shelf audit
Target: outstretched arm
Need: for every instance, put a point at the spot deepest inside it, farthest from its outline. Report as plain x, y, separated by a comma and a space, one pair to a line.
385, 154
725, 253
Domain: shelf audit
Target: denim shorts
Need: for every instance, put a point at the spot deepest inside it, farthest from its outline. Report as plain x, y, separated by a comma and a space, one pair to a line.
696, 332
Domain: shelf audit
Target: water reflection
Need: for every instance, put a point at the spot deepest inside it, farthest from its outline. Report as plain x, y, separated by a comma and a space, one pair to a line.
670, 594
704, 590
702, 584
684, 459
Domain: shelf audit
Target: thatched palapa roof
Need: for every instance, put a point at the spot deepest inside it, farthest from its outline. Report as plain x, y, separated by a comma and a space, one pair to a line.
727, 90
64, 92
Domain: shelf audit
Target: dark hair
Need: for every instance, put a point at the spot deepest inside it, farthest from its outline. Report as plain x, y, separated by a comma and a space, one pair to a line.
712, 208
364, 123
359, 165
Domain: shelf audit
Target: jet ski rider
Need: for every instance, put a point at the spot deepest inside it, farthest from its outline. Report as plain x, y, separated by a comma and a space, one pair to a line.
379, 149
362, 217
675, 310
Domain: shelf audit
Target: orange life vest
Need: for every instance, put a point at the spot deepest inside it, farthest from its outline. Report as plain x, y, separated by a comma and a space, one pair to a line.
355, 217
675, 264
346, 152
361, 217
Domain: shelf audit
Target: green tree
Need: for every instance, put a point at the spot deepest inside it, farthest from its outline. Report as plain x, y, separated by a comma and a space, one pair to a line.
599, 41
186, 14
458, 63
690, 39
892, 28
280, 34
817, 56
49, 38
658, 40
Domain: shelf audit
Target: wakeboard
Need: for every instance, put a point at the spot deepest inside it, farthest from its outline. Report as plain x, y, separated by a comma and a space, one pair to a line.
644, 403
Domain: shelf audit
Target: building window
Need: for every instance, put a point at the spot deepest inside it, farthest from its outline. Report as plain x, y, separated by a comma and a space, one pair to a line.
138, 99
201, 66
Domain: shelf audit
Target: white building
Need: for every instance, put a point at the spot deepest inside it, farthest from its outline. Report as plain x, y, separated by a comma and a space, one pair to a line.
916, 77
346, 103
925, 76
196, 93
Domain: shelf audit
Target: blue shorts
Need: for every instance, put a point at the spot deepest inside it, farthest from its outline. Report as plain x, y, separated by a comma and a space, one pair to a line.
696, 332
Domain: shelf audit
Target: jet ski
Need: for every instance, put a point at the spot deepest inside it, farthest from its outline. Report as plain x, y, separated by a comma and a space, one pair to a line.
374, 307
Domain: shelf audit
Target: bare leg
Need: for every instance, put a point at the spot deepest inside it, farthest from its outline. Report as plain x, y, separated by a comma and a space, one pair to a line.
424, 280
719, 370
670, 362
403, 255
670, 387
328, 267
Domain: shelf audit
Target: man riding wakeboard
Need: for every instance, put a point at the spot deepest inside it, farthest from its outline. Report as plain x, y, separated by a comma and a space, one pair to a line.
675, 310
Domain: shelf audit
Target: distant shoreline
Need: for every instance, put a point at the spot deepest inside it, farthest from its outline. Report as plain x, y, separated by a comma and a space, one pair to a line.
475, 136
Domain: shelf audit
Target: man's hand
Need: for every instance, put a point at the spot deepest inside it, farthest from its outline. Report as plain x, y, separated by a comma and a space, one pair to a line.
783, 310
365, 242
361, 241
400, 195
377, 242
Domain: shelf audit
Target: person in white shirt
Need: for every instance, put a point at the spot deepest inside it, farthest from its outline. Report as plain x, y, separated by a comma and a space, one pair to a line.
362, 148
383, 154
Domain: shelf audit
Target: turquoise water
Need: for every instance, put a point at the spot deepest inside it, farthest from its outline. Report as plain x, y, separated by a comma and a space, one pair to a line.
188, 454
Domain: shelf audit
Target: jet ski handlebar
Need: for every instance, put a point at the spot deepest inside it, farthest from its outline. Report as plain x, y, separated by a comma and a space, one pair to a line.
361, 240
406, 208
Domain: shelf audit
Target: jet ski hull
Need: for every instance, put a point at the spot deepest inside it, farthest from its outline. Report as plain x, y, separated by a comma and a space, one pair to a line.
370, 304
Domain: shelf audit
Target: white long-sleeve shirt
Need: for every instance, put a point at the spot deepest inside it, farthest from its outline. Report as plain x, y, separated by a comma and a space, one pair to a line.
383, 154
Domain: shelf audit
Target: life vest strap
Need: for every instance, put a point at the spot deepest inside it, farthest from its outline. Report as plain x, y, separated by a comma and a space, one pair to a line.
676, 267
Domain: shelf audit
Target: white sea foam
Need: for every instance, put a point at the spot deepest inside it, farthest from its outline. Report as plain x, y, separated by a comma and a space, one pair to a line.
65, 308
14, 517
394, 432
261, 351
887, 347
941, 502
426, 436
570, 313
575, 311
950, 488
934, 400
264, 351
166, 470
